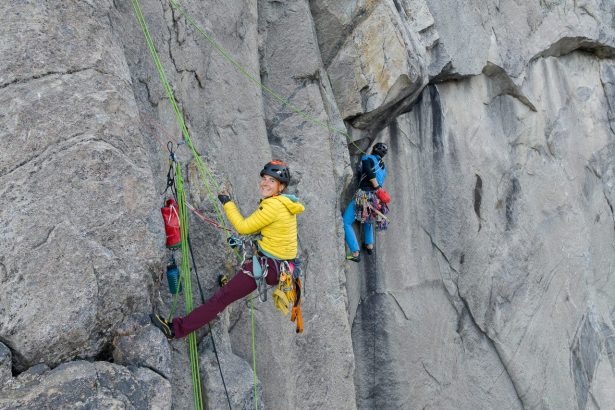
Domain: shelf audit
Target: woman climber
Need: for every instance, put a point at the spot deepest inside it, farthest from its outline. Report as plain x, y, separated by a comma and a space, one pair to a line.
373, 174
276, 221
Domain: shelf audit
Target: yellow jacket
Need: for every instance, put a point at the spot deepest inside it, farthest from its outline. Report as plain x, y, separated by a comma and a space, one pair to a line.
275, 219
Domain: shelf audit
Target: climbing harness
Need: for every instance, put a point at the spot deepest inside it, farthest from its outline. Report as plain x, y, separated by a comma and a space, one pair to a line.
260, 263
370, 209
260, 268
287, 293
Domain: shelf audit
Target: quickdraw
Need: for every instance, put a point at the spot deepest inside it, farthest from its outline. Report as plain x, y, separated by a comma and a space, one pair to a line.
170, 210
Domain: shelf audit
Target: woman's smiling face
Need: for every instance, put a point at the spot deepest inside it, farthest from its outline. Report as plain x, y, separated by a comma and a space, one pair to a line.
269, 186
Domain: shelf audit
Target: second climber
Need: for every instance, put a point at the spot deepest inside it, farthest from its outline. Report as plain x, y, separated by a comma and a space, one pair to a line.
372, 175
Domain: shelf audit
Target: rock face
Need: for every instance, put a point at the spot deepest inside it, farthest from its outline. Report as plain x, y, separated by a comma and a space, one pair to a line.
492, 288
87, 386
79, 234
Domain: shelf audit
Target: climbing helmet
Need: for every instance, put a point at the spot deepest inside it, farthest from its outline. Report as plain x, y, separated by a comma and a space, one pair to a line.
278, 170
380, 149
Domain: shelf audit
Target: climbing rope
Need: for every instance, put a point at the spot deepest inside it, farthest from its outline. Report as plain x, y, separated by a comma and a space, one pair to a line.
185, 264
205, 174
213, 342
186, 268
186, 275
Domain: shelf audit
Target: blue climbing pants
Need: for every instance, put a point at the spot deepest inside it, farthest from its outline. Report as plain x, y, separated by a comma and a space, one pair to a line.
351, 237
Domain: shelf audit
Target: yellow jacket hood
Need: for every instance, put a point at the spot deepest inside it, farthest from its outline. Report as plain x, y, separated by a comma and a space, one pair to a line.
291, 203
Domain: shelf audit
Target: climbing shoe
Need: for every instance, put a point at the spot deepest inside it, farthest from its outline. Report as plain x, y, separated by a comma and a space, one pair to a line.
222, 280
368, 250
353, 258
164, 325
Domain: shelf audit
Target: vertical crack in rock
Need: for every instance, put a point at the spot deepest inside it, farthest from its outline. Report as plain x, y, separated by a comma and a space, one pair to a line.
478, 197
169, 42
196, 77
608, 85
436, 133
429, 374
597, 174
435, 246
511, 197
608, 202
148, 92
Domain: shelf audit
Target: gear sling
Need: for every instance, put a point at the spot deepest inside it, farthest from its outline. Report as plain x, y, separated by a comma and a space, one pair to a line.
288, 290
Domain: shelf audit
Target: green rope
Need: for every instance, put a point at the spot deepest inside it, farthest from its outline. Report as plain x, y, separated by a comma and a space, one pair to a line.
186, 274
185, 263
209, 181
284, 102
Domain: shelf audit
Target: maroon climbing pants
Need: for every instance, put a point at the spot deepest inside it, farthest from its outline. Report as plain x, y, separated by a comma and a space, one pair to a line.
239, 286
